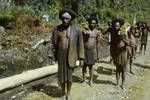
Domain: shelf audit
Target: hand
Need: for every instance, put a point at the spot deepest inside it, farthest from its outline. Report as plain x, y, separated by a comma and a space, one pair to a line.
81, 63
51, 61
97, 60
44, 43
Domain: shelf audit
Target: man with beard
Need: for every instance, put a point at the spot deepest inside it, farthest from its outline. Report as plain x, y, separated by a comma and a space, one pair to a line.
68, 47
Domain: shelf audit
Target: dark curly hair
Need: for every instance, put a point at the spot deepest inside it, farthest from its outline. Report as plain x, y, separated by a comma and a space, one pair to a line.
121, 21
92, 18
71, 12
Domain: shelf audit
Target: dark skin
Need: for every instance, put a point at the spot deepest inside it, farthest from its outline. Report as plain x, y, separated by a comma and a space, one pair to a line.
63, 42
92, 24
109, 29
66, 87
120, 69
91, 42
132, 48
145, 32
136, 34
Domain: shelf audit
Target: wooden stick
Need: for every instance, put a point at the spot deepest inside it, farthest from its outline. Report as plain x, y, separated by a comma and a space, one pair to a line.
27, 76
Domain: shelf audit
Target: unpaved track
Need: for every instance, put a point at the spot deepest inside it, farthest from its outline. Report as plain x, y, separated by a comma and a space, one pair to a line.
137, 85
142, 91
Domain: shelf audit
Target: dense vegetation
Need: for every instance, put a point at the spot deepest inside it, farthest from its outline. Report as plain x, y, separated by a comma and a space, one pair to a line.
106, 9
24, 24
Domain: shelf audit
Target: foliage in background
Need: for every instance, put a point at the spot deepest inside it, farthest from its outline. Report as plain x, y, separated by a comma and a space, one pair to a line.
53, 9
28, 25
106, 9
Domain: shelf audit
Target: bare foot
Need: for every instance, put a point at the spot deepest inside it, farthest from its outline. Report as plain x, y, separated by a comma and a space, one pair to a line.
131, 72
117, 86
68, 97
63, 97
122, 87
91, 83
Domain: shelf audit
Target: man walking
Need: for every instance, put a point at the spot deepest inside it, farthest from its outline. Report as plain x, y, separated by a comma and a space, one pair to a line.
67, 41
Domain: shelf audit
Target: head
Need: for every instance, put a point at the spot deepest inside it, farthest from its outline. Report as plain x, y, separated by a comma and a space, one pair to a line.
109, 24
136, 30
92, 23
117, 25
139, 24
66, 16
144, 24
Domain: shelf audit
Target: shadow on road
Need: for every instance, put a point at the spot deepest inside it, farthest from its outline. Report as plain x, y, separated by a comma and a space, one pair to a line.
106, 62
76, 79
95, 80
106, 82
107, 71
50, 90
142, 66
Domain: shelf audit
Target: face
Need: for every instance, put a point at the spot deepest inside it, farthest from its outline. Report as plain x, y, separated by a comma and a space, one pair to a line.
140, 24
66, 20
144, 24
137, 30
109, 24
92, 24
117, 25
132, 29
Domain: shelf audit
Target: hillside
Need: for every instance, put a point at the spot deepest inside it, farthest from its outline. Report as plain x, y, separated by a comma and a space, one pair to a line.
23, 25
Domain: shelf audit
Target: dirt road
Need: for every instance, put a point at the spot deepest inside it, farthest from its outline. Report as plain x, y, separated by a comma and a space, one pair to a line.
142, 91
137, 85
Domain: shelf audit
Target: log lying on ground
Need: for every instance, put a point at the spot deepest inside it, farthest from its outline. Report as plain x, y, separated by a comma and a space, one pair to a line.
27, 76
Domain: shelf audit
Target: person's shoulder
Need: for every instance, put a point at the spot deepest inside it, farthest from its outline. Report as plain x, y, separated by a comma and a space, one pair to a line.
75, 26
58, 27
97, 31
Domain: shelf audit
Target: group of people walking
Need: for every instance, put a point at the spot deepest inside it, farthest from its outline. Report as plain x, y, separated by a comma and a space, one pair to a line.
69, 43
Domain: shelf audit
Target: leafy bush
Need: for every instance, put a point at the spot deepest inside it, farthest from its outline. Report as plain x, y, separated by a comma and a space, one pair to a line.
5, 19
54, 9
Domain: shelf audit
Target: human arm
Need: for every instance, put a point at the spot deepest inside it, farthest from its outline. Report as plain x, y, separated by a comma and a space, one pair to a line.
80, 48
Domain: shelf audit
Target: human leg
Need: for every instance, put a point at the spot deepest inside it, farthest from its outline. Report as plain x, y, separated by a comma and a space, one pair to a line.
91, 75
84, 73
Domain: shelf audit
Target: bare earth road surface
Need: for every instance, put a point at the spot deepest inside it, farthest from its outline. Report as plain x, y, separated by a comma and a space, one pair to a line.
142, 87
137, 86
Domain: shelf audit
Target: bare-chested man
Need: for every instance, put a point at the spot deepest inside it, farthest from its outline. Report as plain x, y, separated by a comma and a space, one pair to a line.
91, 48
144, 38
137, 35
131, 47
68, 47
118, 50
